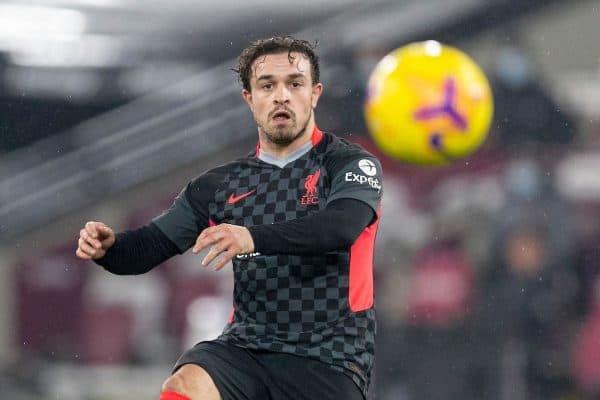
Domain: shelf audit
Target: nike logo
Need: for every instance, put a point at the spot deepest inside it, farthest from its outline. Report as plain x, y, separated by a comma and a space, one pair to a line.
232, 199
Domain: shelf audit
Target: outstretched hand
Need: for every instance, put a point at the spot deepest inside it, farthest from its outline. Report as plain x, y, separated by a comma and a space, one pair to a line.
227, 240
94, 239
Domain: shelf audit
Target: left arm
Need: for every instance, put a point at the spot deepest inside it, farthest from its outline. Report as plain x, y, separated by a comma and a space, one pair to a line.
333, 228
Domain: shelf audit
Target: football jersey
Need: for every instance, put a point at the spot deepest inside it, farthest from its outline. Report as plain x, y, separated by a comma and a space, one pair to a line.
318, 306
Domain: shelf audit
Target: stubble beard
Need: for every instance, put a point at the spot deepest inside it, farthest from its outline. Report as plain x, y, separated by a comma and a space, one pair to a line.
285, 135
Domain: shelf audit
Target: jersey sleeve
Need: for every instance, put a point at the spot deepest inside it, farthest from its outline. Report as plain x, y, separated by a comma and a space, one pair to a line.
356, 175
188, 214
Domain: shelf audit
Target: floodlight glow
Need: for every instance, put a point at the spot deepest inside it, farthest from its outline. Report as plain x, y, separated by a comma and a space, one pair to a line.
18, 21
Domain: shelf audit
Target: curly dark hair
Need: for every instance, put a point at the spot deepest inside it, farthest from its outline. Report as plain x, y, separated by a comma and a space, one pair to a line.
274, 45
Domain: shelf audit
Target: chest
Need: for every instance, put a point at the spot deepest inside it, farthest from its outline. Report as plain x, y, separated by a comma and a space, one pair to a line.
264, 195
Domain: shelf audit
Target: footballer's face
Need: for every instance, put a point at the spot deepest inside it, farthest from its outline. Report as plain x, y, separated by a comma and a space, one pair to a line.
282, 99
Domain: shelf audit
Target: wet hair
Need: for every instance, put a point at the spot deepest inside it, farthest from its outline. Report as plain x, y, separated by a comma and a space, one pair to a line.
276, 45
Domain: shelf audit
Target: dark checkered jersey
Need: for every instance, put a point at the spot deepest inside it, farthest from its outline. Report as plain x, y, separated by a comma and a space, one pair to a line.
314, 306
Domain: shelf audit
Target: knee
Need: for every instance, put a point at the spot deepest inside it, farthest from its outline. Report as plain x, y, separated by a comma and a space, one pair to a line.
175, 383
191, 382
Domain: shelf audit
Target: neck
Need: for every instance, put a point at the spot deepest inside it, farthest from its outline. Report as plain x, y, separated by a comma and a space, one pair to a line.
283, 151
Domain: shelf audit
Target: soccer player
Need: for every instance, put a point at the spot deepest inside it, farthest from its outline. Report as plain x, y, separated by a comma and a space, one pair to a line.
297, 217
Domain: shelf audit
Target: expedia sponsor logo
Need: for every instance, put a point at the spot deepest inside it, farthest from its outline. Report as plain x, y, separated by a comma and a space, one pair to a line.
367, 166
369, 180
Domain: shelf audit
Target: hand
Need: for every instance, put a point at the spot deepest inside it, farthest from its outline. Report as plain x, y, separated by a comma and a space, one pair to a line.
94, 239
225, 238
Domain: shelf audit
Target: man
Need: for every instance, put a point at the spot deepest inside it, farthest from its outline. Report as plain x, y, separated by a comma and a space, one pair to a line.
298, 219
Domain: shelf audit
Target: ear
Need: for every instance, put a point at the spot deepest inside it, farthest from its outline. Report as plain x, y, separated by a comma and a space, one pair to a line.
316, 93
248, 98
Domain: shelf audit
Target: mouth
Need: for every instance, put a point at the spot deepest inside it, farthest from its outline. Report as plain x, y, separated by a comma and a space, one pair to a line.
281, 116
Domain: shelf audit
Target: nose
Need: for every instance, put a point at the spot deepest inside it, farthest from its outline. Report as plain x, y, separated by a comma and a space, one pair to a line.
282, 95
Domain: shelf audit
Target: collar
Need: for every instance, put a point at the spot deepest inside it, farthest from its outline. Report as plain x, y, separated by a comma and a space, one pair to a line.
316, 137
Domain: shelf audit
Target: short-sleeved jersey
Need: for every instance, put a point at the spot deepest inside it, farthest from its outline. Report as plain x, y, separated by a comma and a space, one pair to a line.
319, 306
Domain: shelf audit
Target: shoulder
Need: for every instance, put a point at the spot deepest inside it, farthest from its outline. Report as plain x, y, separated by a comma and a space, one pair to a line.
210, 177
208, 182
339, 152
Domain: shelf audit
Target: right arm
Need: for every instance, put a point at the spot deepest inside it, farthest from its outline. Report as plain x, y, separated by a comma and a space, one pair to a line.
138, 251
126, 253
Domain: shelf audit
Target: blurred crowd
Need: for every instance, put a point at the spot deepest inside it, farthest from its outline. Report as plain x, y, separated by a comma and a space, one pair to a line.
497, 296
487, 274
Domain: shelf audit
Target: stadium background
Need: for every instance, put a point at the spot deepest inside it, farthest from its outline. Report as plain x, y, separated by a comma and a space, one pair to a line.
487, 270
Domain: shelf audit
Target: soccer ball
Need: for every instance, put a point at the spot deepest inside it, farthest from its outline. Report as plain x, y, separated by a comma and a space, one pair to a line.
428, 103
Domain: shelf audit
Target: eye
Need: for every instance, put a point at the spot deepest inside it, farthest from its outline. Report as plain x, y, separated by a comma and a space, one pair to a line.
296, 84
267, 86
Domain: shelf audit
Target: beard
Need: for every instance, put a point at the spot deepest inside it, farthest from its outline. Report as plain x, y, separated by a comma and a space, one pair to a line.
283, 135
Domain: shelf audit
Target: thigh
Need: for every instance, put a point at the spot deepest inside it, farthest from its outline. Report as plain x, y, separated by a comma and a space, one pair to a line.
301, 378
236, 375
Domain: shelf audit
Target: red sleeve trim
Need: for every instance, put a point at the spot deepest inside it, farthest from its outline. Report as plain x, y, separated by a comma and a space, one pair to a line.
231, 315
170, 395
360, 294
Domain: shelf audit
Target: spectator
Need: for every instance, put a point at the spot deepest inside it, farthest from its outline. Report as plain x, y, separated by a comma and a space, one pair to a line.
518, 96
527, 313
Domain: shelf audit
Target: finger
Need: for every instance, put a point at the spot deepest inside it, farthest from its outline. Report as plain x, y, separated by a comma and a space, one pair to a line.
103, 229
206, 232
91, 228
86, 248
209, 231
225, 258
82, 255
204, 240
90, 240
201, 244
212, 254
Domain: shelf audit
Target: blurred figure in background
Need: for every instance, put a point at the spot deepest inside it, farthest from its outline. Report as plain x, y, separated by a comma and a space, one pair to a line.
586, 257
530, 290
525, 114
441, 357
586, 352
528, 303
50, 306
530, 195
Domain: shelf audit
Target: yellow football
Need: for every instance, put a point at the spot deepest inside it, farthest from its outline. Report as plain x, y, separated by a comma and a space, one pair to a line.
428, 103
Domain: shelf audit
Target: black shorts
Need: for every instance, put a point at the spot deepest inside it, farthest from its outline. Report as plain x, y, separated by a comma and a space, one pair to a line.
242, 374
